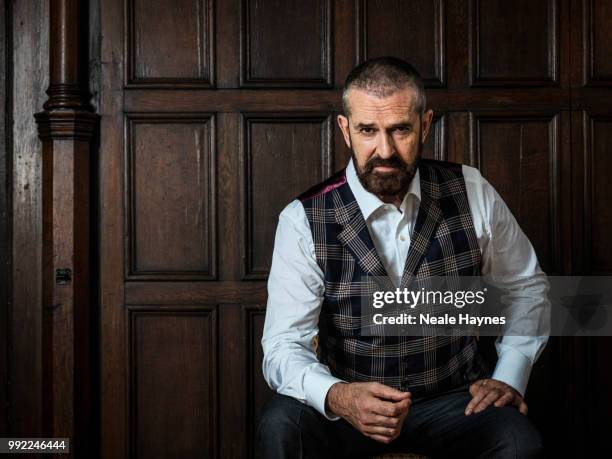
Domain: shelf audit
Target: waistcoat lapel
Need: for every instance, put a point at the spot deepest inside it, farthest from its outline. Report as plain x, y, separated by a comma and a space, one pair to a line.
356, 237
428, 219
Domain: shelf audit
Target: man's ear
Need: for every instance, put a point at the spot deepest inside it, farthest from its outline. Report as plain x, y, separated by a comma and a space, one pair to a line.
343, 122
426, 124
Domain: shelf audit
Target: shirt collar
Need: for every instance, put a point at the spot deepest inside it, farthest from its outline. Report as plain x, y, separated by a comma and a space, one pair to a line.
369, 202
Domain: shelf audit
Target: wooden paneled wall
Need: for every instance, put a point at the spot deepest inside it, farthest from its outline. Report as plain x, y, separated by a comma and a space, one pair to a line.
214, 114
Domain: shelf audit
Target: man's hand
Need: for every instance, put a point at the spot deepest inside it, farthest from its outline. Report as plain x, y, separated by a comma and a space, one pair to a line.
487, 391
376, 410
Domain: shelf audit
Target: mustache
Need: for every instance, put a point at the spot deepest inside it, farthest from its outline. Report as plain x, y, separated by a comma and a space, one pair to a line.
394, 161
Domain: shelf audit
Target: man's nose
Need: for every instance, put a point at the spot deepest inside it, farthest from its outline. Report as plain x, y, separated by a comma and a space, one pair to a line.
386, 147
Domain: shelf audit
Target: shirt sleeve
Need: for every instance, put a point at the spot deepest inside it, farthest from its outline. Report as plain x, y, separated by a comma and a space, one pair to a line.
510, 264
295, 295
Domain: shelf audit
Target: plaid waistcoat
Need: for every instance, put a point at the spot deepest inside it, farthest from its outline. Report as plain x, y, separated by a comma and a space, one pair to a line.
443, 243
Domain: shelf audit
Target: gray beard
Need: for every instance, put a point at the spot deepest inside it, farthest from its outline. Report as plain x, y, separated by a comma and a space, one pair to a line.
389, 184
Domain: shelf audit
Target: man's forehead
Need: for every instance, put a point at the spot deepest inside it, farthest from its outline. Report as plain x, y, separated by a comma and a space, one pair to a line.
400, 103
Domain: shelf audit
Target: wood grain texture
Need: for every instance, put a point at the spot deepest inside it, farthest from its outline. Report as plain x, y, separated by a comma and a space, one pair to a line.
171, 211
523, 114
286, 43
65, 127
182, 55
275, 100
598, 188
173, 388
597, 16
258, 392
520, 157
435, 146
114, 420
514, 43
414, 31
283, 155
30, 65
5, 216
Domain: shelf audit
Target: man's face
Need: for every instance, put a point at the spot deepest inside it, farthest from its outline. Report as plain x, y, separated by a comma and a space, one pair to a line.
386, 137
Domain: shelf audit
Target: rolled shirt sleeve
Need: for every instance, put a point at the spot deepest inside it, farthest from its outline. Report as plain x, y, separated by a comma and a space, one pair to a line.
295, 296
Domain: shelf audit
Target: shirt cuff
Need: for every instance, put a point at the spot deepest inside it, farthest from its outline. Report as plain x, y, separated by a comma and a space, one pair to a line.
514, 369
316, 386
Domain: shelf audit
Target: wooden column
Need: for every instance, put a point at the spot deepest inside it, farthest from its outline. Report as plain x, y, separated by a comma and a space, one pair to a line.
66, 127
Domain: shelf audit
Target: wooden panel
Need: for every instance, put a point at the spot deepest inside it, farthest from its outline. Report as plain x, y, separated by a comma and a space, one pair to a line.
185, 293
170, 197
110, 233
169, 43
413, 31
286, 43
262, 50
599, 190
258, 391
27, 77
598, 39
514, 43
518, 156
173, 383
271, 100
546, 397
5, 215
284, 154
598, 400
435, 146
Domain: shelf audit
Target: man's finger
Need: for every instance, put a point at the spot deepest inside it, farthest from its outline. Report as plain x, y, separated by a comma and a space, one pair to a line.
523, 407
475, 401
476, 386
390, 409
508, 397
490, 398
389, 393
383, 421
382, 431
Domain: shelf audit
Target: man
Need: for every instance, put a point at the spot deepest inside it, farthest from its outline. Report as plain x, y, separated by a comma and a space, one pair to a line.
391, 213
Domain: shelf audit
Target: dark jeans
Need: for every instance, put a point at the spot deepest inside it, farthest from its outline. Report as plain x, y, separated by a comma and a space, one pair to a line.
435, 427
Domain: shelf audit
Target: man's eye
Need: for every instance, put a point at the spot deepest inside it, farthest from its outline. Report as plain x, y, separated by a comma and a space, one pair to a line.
402, 129
366, 130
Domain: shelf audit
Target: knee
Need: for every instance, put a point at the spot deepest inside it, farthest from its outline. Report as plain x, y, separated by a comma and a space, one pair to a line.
520, 448
520, 441
289, 428
280, 413
280, 417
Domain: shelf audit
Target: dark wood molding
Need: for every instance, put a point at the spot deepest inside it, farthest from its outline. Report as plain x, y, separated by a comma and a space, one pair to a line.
205, 47
66, 124
150, 370
67, 113
257, 391
248, 120
324, 80
207, 151
551, 78
5, 218
66, 127
438, 80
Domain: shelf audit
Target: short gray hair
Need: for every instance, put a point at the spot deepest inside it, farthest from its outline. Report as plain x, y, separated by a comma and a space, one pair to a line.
383, 76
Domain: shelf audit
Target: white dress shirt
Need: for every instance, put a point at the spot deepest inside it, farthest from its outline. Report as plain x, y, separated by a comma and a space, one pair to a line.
296, 288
